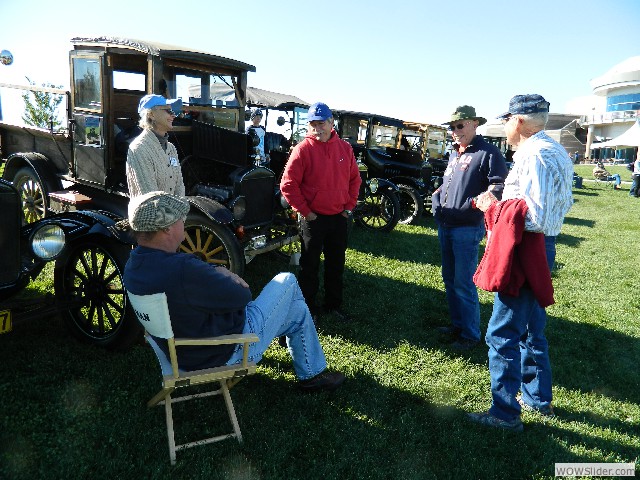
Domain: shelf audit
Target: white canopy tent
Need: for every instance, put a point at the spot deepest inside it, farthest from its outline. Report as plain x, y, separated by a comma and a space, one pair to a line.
629, 139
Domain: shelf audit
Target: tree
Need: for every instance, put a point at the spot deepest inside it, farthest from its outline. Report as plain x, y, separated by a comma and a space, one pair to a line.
41, 107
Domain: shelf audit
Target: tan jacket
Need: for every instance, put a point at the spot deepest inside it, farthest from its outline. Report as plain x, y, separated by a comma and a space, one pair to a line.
150, 168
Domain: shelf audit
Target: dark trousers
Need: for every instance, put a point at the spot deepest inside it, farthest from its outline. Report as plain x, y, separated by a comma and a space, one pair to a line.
633, 192
326, 234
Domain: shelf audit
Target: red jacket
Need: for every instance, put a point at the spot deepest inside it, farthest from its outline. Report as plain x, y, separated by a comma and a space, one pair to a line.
321, 177
513, 256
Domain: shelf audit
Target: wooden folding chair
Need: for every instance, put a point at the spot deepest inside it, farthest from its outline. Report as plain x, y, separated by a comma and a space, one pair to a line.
152, 311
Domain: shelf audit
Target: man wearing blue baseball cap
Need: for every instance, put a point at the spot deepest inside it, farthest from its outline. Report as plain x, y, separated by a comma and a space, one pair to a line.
321, 182
542, 176
152, 161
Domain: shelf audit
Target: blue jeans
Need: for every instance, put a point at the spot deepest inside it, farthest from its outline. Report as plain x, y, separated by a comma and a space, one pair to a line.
615, 178
518, 350
459, 248
280, 310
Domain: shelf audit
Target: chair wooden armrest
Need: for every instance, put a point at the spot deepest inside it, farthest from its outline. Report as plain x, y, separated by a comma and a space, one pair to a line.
221, 340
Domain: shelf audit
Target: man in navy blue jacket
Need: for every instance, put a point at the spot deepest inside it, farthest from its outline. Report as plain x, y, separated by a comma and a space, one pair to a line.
207, 301
475, 166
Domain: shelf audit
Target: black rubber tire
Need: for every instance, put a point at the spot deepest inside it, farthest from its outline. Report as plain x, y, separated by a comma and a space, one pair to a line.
411, 204
212, 243
33, 194
378, 212
92, 272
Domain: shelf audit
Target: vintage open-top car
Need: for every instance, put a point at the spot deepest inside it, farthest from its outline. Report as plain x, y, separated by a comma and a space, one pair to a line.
82, 166
64, 191
377, 141
89, 251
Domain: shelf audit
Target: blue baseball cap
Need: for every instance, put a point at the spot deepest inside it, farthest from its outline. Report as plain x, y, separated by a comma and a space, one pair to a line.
319, 111
524, 104
150, 101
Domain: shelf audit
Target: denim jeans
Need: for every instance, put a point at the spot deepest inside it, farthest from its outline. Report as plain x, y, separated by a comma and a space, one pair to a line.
280, 310
518, 350
459, 248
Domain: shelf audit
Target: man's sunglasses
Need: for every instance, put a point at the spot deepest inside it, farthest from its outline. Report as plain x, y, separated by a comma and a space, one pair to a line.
459, 126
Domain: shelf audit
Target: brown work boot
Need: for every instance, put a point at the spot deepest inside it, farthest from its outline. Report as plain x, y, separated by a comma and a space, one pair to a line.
324, 381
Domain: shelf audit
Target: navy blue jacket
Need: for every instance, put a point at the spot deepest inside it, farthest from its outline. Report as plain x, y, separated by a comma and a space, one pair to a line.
467, 175
203, 301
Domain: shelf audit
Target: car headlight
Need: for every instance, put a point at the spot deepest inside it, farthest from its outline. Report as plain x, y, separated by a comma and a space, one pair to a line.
48, 241
373, 185
239, 208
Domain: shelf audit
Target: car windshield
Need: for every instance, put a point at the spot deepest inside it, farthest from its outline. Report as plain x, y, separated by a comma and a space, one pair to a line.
207, 97
383, 136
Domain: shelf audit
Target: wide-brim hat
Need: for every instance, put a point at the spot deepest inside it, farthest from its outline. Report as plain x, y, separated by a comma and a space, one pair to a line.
154, 211
465, 112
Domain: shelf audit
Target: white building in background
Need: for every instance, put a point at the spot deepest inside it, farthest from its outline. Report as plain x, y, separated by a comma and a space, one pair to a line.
616, 111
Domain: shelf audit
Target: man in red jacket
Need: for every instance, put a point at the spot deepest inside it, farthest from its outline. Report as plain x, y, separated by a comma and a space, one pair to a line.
321, 182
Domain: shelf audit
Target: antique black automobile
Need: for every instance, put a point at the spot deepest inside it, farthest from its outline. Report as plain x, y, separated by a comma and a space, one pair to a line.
377, 141
430, 141
378, 206
89, 252
82, 166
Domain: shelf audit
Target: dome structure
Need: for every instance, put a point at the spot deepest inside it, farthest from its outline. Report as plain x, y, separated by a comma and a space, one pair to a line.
622, 76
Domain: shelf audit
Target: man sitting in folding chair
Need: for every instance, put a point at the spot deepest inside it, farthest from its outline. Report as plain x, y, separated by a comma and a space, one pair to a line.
208, 301
602, 174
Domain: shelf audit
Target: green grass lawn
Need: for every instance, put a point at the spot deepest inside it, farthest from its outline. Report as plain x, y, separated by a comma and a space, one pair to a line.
73, 411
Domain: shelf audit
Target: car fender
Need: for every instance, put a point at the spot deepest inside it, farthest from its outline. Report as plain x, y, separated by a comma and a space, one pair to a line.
87, 223
212, 209
417, 184
383, 183
41, 165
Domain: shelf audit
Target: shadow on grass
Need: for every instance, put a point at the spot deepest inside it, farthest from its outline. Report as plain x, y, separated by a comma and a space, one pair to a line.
570, 240
584, 192
582, 349
400, 245
580, 222
91, 400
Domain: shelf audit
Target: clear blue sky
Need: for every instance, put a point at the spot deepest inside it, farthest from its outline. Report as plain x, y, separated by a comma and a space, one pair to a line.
415, 60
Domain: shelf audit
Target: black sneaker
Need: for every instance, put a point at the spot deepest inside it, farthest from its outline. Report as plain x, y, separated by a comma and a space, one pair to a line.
316, 313
340, 315
449, 330
324, 381
489, 420
464, 344
544, 411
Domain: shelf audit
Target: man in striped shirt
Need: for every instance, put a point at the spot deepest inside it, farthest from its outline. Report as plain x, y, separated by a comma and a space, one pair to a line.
542, 175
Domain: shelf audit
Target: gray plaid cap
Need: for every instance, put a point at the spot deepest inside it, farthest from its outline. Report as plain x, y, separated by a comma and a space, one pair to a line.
154, 211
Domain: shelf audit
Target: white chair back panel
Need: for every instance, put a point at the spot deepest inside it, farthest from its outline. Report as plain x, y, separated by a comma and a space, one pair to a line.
152, 312
163, 360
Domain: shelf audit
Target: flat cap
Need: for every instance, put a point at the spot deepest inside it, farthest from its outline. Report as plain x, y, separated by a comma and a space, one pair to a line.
154, 211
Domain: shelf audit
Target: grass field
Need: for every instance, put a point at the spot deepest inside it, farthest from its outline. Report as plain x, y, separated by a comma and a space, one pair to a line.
73, 411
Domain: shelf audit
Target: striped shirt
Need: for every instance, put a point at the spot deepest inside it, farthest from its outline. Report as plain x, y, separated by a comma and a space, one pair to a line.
542, 175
